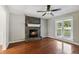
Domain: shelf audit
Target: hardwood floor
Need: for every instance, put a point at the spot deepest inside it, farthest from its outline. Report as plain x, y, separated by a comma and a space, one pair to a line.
45, 46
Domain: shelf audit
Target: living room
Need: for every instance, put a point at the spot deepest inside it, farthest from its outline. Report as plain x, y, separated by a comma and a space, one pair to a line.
32, 26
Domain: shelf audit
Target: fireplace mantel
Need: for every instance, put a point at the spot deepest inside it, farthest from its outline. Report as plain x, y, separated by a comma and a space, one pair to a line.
33, 25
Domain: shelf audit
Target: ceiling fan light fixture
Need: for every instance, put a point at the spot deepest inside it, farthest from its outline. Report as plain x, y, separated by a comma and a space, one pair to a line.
49, 11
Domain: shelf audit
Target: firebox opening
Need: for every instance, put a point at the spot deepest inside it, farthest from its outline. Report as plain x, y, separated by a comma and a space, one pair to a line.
33, 33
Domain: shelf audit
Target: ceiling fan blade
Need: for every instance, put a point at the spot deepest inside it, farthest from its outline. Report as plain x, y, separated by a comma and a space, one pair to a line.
48, 7
44, 14
41, 11
56, 9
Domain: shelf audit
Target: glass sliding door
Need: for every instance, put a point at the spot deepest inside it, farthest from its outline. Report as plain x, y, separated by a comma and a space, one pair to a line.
64, 28
67, 30
59, 28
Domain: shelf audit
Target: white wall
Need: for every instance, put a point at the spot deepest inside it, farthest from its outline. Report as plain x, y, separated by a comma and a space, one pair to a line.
17, 28
2, 18
6, 43
4, 26
76, 27
75, 15
51, 27
44, 28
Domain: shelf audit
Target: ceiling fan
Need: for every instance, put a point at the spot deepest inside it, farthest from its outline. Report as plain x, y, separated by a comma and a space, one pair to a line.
49, 10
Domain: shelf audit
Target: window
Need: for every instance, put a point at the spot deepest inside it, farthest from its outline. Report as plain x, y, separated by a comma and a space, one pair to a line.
64, 28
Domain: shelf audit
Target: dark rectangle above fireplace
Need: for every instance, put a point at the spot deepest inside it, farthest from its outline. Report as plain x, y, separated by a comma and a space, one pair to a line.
32, 20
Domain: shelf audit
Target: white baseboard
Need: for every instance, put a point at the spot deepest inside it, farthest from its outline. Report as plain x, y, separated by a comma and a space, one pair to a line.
17, 41
72, 42
4, 48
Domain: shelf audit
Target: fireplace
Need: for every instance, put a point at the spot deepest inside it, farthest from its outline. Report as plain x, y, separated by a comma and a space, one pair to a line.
32, 27
33, 33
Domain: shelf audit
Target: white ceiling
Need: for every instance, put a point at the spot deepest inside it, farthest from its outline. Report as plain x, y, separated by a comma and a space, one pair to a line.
31, 10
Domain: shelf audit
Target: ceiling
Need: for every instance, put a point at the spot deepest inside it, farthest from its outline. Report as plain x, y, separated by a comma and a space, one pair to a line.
31, 10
